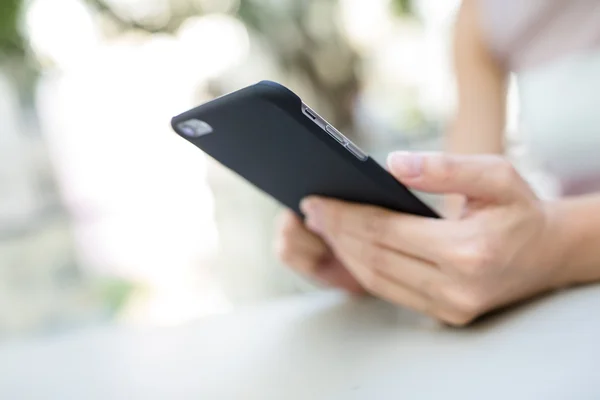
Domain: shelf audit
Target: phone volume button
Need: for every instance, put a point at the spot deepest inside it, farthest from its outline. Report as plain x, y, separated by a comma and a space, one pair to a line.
335, 134
356, 151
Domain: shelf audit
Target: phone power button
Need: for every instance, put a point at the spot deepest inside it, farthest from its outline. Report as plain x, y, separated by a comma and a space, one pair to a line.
356, 151
335, 134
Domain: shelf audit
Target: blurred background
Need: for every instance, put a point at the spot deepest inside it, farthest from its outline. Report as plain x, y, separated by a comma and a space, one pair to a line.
106, 216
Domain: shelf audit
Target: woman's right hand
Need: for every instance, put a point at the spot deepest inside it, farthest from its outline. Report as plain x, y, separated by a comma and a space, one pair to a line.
308, 254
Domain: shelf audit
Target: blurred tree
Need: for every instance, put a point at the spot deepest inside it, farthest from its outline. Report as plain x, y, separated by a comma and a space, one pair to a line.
41, 283
403, 7
13, 51
305, 40
11, 43
309, 44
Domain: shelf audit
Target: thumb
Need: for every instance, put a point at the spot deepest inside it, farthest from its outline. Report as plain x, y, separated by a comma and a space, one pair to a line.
482, 177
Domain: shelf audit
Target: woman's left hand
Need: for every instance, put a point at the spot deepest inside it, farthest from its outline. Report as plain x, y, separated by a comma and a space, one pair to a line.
503, 247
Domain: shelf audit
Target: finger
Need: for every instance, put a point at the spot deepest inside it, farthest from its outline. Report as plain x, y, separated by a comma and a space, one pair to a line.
426, 238
415, 274
383, 287
483, 177
333, 273
307, 254
299, 248
394, 292
291, 227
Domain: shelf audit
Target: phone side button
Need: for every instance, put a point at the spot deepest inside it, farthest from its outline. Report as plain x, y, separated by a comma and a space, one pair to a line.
335, 134
358, 153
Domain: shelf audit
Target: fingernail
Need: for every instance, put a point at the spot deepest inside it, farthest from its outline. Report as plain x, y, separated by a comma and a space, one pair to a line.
408, 165
311, 209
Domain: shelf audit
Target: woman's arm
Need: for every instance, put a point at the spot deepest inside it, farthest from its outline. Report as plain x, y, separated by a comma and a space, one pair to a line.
508, 245
478, 127
481, 84
579, 221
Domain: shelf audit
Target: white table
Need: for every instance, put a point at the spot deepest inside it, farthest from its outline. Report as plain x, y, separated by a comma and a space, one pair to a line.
323, 346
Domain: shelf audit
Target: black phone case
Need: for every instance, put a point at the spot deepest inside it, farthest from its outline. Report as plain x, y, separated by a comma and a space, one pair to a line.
261, 133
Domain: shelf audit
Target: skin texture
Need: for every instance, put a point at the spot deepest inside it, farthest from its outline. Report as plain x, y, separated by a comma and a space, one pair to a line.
308, 254
453, 270
482, 82
499, 244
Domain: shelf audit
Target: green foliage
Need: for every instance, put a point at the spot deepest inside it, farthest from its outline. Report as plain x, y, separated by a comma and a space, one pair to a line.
303, 40
309, 46
11, 42
115, 293
403, 7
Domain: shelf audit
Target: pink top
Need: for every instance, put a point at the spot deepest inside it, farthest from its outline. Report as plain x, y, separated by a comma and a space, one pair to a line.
526, 33
553, 46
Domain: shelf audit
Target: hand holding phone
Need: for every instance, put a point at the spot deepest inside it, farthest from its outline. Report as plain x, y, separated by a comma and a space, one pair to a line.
267, 135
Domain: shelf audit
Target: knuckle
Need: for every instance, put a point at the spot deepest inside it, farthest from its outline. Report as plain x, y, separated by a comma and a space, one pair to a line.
467, 261
283, 250
288, 230
371, 281
284, 218
469, 302
459, 320
287, 227
474, 258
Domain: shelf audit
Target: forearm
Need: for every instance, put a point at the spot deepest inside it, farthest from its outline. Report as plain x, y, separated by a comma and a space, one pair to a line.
478, 127
577, 223
470, 134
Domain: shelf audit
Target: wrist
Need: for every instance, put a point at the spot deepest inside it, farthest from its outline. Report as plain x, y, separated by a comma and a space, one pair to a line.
563, 237
558, 244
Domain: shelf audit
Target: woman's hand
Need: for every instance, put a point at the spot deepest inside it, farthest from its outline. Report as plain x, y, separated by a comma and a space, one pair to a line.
308, 254
500, 250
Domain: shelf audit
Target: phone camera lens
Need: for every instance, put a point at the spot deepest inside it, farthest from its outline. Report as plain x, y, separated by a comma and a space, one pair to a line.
188, 131
194, 128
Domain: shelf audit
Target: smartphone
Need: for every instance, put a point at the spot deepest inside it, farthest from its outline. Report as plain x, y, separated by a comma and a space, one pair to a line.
267, 135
